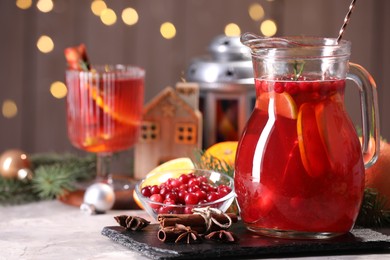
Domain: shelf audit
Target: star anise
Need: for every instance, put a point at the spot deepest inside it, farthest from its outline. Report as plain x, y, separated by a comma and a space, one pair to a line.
131, 222
222, 236
188, 235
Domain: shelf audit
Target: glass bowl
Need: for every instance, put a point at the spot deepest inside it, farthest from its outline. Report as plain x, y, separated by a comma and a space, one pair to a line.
218, 191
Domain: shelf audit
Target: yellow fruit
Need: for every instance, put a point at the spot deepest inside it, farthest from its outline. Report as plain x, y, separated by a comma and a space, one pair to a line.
378, 175
170, 169
224, 151
311, 148
284, 104
175, 164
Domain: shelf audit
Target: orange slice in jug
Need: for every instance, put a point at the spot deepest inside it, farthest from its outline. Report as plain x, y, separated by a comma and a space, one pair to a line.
284, 104
313, 153
337, 132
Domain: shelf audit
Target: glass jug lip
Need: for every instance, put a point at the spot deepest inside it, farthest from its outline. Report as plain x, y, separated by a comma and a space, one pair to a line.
296, 46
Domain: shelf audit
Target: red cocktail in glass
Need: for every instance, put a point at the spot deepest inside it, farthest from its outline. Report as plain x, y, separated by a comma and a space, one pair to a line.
104, 109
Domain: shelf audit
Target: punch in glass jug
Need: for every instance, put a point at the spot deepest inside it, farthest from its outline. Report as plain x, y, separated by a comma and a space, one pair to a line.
299, 170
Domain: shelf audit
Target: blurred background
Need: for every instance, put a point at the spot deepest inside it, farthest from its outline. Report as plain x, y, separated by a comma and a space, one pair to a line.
162, 37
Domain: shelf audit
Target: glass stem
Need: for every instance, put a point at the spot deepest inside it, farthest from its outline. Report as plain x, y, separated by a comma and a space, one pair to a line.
103, 167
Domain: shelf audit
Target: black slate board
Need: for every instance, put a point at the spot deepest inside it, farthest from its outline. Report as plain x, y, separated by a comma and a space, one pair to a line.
359, 240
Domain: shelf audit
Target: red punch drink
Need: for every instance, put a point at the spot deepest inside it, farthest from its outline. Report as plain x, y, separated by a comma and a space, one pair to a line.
104, 109
302, 172
299, 169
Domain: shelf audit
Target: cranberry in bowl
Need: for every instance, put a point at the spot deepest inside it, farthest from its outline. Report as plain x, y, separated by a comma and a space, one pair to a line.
179, 191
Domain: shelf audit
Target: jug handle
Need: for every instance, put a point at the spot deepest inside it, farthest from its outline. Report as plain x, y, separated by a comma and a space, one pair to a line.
369, 109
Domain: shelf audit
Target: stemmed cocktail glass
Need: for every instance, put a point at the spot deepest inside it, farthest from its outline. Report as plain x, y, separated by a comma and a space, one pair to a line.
104, 109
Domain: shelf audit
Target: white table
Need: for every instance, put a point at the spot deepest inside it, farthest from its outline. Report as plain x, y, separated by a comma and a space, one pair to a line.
53, 230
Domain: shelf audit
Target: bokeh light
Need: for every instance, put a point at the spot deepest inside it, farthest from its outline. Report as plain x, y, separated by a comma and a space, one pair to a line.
45, 6
168, 30
108, 16
129, 16
58, 89
45, 44
232, 29
268, 28
23, 4
256, 12
97, 6
9, 108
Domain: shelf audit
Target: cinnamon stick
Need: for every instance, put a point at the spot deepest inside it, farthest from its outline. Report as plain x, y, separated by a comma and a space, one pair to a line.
178, 234
195, 221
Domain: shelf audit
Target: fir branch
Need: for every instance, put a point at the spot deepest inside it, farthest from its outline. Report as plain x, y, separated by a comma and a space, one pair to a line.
213, 163
53, 176
372, 213
13, 191
52, 181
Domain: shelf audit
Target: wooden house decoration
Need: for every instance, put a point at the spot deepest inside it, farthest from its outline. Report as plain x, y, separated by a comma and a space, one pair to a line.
171, 128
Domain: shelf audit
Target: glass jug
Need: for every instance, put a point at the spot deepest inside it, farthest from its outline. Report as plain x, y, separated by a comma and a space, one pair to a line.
299, 170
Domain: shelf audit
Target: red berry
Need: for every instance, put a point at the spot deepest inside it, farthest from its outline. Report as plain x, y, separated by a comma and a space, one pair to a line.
279, 87
188, 210
213, 196
202, 195
164, 191
145, 191
172, 196
181, 194
193, 189
175, 183
193, 182
292, 88
184, 178
155, 189
191, 199
156, 198
202, 179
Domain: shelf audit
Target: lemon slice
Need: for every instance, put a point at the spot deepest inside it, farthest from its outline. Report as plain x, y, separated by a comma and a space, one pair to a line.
224, 151
284, 104
170, 169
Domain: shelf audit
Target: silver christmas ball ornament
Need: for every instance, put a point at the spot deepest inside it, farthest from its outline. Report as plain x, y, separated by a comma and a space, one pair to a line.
100, 197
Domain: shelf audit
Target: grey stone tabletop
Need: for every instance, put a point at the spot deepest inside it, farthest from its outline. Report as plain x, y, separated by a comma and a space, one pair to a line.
53, 230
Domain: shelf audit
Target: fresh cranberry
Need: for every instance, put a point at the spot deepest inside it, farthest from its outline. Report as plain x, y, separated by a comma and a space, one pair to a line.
175, 183
224, 189
279, 87
213, 196
164, 191
193, 182
184, 178
155, 189
181, 194
188, 210
202, 179
292, 87
191, 199
145, 191
156, 198
202, 195
193, 189
172, 196
208, 187
183, 187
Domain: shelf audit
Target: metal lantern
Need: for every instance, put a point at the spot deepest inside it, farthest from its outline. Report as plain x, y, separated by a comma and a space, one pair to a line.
227, 93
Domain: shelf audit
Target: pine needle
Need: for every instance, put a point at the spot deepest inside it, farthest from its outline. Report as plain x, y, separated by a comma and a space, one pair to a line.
372, 213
